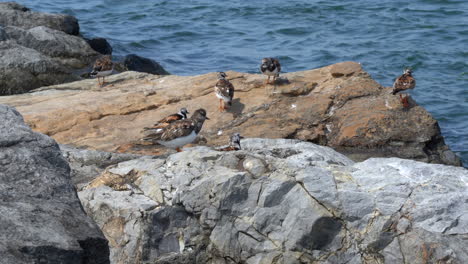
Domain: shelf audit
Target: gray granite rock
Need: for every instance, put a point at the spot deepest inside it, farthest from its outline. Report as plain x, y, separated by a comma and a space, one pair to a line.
88, 164
41, 218
280, 201
72, 51
23, 69
14, 14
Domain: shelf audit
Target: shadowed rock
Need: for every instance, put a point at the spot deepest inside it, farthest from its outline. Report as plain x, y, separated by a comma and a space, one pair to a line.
41, 218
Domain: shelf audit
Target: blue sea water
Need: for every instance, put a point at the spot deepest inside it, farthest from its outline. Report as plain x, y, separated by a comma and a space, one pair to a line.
199, 36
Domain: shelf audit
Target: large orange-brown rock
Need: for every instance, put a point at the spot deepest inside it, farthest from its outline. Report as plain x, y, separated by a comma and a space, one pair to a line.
339, 105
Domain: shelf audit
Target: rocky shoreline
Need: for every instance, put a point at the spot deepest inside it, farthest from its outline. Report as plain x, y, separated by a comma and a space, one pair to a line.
40, 49
289, 196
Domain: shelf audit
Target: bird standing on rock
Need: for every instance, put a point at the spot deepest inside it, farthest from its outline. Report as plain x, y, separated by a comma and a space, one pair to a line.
102, 67
178, 133
181, 115
405, 82
234, 143
224, 90
270, 67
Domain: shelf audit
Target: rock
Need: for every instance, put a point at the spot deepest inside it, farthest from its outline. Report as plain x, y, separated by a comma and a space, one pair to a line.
3, 34
100, 45
134, 62
23, 69
88, 164
353, 113
13, 14
71, 51
41, 218
312, 205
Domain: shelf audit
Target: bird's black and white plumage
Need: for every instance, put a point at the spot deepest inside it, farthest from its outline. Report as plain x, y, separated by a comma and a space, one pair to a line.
181, 115
178, 133
234, 143
404, 82
270, 67
224, 90
102, 67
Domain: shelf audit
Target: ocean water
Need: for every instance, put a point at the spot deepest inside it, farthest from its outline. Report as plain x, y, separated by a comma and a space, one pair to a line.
195, 37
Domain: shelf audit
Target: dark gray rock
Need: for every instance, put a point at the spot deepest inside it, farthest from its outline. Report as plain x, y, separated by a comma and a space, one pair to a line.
100, 45
41, 218
23, 69
71, 51
3, 34
13, 14
306, 204
134, 62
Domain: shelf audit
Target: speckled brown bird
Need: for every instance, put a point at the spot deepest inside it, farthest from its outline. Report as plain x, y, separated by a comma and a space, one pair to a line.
270, 67
102, 67
224, 90
405, 82
234, 143
178, 133
181, 115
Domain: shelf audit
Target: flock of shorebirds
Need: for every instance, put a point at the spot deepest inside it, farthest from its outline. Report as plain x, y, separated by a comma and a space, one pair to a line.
177, 130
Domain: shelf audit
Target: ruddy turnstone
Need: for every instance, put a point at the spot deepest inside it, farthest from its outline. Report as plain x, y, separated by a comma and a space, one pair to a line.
234, 143
404, 82
182, 114
102, 67
224, 90
178, 133
270, 67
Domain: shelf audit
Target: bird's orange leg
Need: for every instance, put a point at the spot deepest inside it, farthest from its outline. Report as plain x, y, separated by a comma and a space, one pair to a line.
404, 101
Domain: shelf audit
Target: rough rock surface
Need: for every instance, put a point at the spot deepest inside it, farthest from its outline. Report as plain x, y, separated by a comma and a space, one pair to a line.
39, 49
280, 201
41, 218
22, 69
339, 106
13, 14
88, 164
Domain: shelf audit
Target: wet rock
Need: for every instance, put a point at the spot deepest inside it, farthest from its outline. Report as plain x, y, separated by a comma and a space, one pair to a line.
13, 14
134, 62
312, 205
100, 45
41, 219
353, 114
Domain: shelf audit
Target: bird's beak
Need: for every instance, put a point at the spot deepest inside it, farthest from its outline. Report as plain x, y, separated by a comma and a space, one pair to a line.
207, 118
241, 137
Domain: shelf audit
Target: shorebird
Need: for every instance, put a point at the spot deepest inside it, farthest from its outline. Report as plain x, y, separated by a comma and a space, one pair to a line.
234, 143
405, 82
270, 67
178, 133
181, 115
224, 90
102, 67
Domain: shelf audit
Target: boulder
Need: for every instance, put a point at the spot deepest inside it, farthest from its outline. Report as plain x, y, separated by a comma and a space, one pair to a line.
100, 45
71, 51
3, 34
41, 218
308, 204
23, 69
350, 112
134, 62
13, 14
